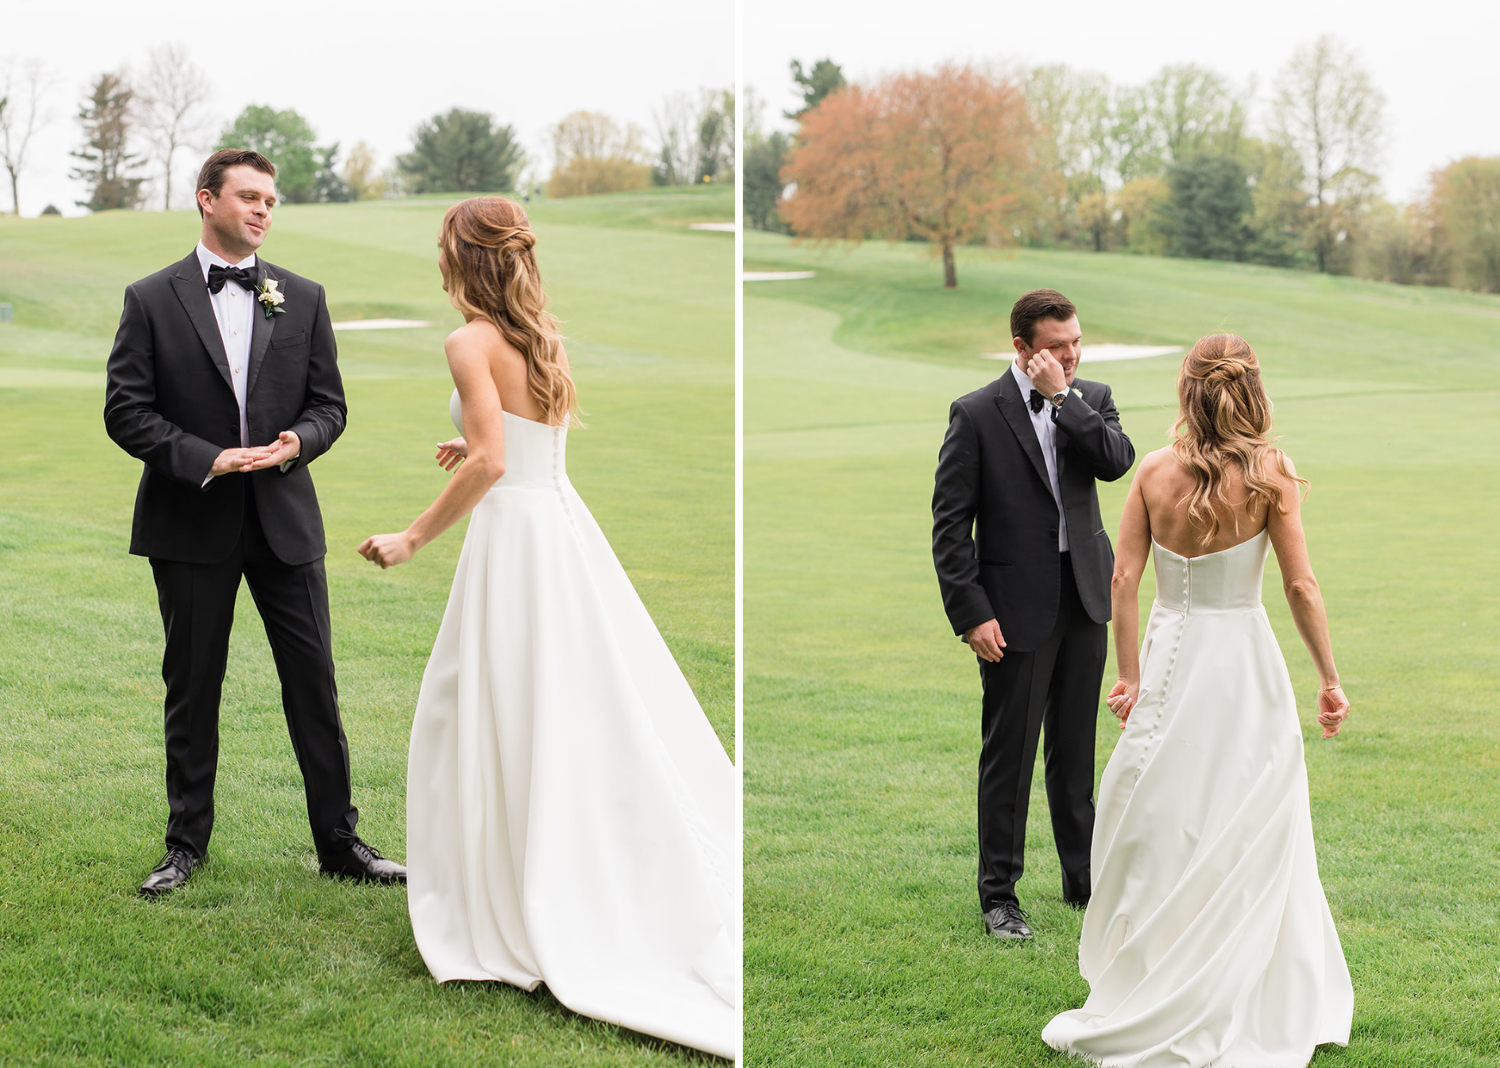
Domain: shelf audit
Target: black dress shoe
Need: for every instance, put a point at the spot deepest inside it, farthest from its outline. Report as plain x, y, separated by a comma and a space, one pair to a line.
1006, 920
360, 862
171, 873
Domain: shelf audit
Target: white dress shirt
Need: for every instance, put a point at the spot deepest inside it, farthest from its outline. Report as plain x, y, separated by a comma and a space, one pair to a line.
234, 309
1046, 436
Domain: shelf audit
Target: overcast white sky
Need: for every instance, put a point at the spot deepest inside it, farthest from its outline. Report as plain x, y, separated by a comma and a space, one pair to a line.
1435, 60
373, 70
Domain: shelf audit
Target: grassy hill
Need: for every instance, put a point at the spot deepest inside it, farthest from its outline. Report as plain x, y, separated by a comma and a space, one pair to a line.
259, 958
863, 940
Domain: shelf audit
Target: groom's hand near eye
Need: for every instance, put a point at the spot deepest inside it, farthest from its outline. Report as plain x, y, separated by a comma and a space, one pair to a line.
1046, 372
986, 641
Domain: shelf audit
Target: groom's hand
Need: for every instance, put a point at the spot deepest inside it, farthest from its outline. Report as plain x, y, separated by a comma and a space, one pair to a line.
986, 641
231, 460
1046, 372
287, 446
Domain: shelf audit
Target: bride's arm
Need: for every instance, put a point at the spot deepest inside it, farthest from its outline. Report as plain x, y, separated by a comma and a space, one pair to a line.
484, 436
1303, 595
1131, 550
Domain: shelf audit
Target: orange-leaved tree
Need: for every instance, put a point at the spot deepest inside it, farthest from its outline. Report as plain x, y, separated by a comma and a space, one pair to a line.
937, 156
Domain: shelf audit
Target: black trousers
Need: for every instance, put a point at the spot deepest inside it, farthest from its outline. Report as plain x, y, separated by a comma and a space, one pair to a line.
197, 611
1056, 687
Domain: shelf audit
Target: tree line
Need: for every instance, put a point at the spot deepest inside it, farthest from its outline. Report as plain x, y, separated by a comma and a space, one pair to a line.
1053, 157
135, 126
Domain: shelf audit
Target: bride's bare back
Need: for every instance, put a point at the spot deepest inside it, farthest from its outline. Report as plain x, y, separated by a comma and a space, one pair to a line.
1156, 510
507, 367
1165, 485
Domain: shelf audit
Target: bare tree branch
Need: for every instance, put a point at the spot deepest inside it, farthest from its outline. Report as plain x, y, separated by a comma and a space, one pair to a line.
1329, 111
172, 100
1328, 108
21, 116
676, 121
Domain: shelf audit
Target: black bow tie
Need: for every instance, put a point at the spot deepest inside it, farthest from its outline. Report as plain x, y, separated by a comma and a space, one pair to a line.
1037, 400
240, 276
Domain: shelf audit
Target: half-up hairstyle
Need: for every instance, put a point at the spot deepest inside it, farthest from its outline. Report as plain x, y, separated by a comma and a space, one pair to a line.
492, 274
1224, 418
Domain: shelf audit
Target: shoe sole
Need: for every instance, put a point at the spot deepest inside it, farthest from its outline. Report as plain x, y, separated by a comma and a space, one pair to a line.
1011, 936
361, 877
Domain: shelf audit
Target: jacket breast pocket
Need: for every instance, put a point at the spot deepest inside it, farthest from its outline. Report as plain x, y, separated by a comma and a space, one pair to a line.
299, 338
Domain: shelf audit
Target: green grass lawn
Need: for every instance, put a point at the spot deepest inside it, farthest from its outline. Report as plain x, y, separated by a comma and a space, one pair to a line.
259, 958
864, 944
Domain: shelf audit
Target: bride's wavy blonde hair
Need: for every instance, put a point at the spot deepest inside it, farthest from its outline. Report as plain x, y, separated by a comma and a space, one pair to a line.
1224, 419
487, 245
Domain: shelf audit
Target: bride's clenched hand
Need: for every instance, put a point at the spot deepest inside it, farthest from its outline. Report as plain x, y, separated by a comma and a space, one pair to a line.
451, 453
1333, 709
387, 550
1121, 699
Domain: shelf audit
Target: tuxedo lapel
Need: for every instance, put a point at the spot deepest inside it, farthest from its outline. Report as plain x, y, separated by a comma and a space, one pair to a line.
260, 332
189, 286
1013, 406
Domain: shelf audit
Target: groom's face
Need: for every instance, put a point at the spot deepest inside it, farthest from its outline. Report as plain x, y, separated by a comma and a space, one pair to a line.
1063, 339
241, 214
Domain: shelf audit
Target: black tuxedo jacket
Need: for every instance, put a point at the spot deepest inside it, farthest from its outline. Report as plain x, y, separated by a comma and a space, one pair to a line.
994, 520
169, 402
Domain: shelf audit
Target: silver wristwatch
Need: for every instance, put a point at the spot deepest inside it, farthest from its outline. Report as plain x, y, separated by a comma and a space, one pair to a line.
1058, 398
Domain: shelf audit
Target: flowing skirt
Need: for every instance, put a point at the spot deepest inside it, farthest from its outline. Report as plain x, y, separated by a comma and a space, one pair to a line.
1208, 940
570, 811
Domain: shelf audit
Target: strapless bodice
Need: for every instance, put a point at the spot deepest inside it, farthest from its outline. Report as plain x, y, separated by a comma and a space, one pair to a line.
535, 453
1216, 582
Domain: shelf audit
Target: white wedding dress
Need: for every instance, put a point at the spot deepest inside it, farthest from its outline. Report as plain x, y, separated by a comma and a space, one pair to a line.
570, 811
1208, 940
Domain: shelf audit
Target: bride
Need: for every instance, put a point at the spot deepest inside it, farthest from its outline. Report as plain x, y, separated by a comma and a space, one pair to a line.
570, 811
1208, 940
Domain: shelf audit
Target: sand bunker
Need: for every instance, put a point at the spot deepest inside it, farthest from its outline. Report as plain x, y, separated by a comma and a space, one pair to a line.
381, 324
1104, 353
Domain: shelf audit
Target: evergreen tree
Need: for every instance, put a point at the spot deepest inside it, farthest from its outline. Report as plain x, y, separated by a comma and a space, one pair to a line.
762, 183
462, 152
1205, 213
329, 186
825, 77
107, 162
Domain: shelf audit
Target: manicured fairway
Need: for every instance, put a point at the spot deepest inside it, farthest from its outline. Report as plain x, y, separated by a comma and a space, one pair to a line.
259, 958
864, 944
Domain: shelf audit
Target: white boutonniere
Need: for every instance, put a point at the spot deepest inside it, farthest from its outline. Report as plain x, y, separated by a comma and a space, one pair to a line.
270, 297
1077, 392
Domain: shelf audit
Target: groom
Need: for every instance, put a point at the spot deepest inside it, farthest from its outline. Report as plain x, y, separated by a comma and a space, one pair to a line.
1016, 475
223, 380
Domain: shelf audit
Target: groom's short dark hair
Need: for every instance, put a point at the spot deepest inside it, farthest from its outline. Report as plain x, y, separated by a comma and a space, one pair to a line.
1039, 304
211, 177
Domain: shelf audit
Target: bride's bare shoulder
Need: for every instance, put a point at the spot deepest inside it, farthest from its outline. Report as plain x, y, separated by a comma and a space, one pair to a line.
475, 332
1159, 463
483, 336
